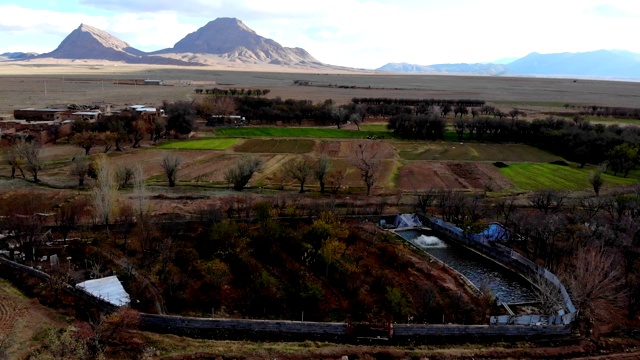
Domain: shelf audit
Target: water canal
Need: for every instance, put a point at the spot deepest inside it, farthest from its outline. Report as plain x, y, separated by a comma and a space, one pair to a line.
506, 286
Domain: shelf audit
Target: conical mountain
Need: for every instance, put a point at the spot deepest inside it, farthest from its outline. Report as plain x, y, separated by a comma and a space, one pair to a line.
230, 38
88, 42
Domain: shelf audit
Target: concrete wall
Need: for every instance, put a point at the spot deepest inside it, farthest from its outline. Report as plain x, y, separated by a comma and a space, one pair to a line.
298, 330
511, 260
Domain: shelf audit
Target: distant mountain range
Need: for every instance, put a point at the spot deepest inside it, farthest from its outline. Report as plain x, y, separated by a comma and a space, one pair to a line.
8, 56
230, 43
606, 64
224, 40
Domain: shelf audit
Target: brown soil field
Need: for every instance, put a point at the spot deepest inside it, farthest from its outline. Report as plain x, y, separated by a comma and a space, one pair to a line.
422, 175
23, 85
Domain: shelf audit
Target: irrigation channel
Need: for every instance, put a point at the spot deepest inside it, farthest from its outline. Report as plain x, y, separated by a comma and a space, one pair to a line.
505, 285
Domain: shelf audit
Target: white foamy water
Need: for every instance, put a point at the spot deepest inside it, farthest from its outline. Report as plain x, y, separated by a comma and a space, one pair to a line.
425, 241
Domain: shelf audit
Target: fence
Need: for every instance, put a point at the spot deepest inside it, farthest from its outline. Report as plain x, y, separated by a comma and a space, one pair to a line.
514, 261
298, 330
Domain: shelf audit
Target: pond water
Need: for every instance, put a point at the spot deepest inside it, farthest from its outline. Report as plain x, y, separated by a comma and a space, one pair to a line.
506, 286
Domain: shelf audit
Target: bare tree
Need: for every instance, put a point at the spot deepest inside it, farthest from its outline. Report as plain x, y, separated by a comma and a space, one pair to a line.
15, 159
596, 180
124, 175
505, 207
105, 193
339, 115
141, 206
141, 210
548, 295
32, 162
240, 174
320, 170
80, 169
591, 206
299, 169
335, 179
171, 165
366, 160
548, 200
356, 119
595, 279
425, 199
68, 215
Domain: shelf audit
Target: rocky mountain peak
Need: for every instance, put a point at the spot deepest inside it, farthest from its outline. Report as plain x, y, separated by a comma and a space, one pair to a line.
101, 36
233, 40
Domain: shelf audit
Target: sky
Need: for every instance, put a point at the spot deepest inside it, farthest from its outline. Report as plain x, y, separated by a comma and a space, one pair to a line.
355, 33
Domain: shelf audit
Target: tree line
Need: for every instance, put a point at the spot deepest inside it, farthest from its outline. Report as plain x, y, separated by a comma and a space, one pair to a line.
233, 92
419, 102
576, 140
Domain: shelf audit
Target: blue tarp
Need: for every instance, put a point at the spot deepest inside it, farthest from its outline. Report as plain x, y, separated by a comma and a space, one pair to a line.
407, 220
496, 231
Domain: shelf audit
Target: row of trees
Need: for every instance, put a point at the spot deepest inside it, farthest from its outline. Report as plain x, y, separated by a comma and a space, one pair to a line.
578, 141
419, 102
233, 92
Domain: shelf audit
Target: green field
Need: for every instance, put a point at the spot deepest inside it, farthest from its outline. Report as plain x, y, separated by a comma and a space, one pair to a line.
472, 151
614, 120
549, 176
298, 132
374, 127
199, 144
278, 146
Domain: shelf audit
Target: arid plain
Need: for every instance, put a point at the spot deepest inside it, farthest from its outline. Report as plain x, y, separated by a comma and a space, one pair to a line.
37, 85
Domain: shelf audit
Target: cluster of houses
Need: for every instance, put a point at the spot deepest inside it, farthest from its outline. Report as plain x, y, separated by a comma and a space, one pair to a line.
37, 122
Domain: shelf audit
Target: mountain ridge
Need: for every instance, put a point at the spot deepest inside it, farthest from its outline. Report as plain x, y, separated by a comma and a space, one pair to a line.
617, 64
223, 40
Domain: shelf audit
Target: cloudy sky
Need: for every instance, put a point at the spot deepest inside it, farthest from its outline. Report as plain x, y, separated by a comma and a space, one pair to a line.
356, 33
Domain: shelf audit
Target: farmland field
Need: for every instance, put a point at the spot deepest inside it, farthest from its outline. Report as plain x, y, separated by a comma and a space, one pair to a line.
286, 146
549, 176
297, 132
472, 152
200, 144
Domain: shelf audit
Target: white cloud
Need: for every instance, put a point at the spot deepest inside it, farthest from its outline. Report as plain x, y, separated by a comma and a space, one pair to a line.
362, 33
149, 32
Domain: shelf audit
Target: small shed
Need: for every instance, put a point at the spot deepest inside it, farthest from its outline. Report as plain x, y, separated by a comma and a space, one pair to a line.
154, 82
108, 288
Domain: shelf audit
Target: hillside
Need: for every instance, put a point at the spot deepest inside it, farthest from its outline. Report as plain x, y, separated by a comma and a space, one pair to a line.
88, 42
231, 39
